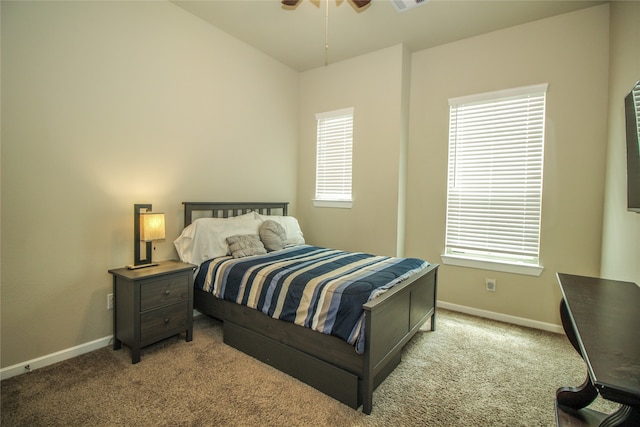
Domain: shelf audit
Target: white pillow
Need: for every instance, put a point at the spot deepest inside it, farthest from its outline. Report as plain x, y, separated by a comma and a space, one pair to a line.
206, 238
290, 225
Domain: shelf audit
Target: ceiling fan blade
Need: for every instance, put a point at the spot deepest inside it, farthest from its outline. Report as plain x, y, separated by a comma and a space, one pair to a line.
361, 3
290, 2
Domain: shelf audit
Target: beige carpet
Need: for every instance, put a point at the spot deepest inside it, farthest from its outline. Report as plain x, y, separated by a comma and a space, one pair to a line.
470, 372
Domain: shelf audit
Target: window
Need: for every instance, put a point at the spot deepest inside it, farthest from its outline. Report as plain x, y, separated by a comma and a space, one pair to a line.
494, 193
333, 158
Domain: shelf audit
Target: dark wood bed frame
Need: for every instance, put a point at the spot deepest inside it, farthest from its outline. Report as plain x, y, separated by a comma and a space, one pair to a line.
326, 363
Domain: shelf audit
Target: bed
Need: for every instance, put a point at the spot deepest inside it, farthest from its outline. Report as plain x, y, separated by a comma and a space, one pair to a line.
325, 362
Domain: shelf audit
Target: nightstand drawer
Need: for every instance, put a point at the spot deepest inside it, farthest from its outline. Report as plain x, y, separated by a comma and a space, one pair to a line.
166, 320
164, 291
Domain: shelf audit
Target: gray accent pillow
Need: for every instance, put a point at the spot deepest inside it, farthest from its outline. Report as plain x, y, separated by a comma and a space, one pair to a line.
273, 235
246, 245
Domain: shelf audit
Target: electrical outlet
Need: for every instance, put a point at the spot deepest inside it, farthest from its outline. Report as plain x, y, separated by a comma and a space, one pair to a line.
491, 284
110, 302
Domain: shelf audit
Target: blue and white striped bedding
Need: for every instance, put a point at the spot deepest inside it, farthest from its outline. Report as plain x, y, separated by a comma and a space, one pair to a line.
322, 289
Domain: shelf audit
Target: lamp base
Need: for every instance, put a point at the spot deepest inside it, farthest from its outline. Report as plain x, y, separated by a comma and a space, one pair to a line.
135, 267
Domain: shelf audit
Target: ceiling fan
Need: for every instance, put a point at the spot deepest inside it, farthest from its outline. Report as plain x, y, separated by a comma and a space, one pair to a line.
358, 3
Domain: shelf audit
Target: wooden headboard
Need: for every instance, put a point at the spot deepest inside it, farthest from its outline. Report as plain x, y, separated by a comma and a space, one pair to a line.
230, 209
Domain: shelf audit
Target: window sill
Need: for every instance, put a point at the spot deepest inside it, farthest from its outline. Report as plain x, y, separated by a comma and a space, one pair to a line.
343, 204
507, 267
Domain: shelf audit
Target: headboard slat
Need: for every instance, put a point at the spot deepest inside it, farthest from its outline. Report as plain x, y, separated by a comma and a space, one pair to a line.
231, 209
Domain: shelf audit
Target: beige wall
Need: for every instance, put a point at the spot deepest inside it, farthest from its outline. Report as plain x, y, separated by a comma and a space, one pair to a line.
107, 104
372, 84
570, 52
621, 230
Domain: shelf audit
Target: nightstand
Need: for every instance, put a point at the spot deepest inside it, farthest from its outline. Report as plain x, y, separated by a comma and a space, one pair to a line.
151, 304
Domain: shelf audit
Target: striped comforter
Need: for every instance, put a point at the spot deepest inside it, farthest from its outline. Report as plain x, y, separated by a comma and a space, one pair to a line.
322, 289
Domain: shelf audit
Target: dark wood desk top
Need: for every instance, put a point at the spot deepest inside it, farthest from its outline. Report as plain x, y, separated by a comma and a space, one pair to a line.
606, 317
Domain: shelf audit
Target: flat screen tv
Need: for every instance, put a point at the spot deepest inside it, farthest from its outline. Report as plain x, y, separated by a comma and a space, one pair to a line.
632, 118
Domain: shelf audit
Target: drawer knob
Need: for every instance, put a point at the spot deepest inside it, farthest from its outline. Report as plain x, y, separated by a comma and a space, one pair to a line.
166, 321
167, 292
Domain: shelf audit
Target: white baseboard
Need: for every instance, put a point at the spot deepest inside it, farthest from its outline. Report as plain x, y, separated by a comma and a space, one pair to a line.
521, 321
50, 359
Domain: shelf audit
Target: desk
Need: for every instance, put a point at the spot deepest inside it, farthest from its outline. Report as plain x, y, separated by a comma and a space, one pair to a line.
602, 321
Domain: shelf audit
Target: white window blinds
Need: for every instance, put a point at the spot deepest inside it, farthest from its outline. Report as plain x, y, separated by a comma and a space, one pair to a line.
636, 98
496, 144
334, 155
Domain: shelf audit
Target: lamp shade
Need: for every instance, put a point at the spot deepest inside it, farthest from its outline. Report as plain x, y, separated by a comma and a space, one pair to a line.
151, 227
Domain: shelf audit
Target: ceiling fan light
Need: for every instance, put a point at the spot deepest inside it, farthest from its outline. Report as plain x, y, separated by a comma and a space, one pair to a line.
290, 2
361, 3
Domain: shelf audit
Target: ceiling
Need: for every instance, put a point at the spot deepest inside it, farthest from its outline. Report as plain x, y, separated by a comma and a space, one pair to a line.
296, 36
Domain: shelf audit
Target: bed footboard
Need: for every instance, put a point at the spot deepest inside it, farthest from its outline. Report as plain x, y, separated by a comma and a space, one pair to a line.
392, 320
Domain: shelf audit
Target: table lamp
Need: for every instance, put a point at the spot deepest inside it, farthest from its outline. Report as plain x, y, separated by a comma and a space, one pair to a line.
147, 227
